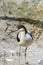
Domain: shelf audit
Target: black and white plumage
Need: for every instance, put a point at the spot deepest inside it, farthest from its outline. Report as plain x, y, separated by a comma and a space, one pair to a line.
24, 37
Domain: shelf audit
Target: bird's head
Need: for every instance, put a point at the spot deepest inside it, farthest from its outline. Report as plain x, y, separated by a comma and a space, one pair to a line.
22, 28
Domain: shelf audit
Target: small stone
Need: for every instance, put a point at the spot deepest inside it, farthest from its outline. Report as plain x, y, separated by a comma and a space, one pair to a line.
27, 63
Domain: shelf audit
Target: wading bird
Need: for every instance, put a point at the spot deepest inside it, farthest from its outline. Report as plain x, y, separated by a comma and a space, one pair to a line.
24, 38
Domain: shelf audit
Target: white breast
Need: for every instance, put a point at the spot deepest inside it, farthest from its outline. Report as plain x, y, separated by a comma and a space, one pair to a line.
21, 35
25, 39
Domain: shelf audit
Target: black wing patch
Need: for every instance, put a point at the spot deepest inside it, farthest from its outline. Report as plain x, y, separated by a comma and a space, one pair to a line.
31, 35
18, 37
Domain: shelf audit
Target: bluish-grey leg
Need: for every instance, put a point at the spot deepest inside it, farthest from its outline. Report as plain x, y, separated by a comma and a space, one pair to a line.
25, 56
19, 54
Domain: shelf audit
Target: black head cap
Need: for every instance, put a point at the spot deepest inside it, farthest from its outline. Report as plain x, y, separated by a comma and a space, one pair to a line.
21, 26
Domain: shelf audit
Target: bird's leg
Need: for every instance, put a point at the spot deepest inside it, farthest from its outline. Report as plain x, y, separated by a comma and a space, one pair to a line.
19, 54
25, 56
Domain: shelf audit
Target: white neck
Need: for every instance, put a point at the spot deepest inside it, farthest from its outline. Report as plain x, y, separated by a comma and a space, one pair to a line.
22, 35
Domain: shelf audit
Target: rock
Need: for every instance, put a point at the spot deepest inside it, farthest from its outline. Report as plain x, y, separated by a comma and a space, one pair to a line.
41, 62
3, 25
40, 40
